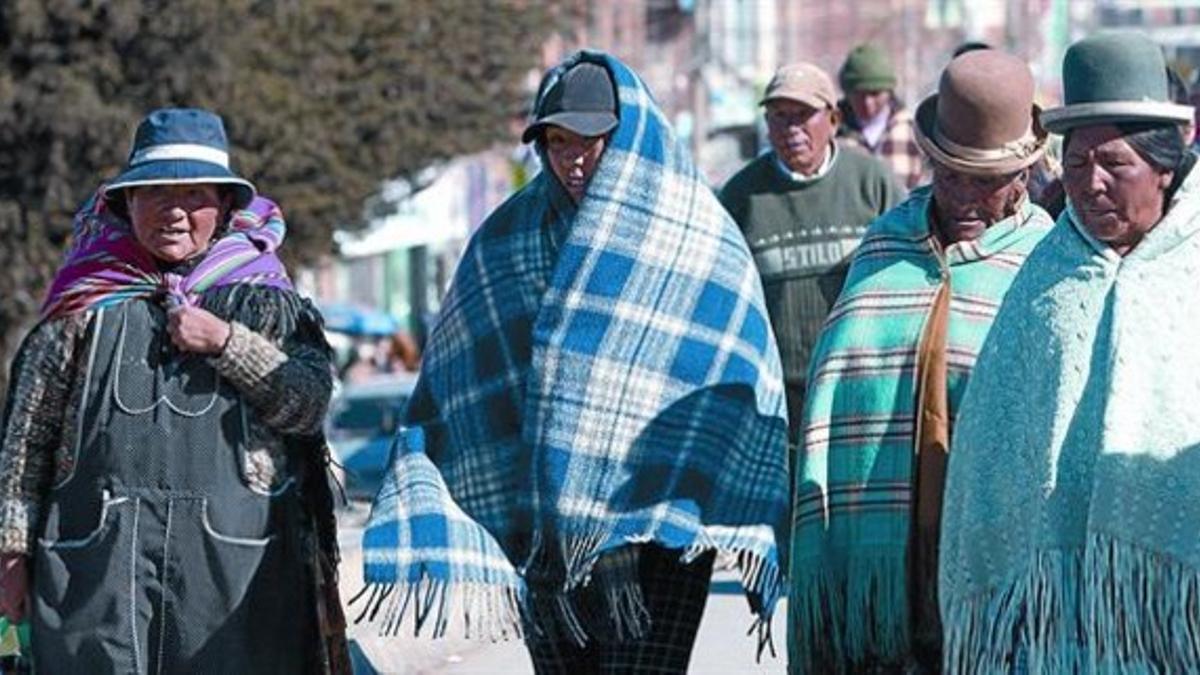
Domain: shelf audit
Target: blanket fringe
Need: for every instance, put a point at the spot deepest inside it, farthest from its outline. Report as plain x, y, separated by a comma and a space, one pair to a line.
487, 612
824, 639
627, 616
601, 597
623, 615
1110, 608
765, 638
627, 612
763, 580
493, 612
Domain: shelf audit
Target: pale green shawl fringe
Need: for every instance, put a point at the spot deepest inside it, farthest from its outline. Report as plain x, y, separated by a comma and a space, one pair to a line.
1109, 608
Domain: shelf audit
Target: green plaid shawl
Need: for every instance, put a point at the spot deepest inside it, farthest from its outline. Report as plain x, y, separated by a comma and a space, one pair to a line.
853, 497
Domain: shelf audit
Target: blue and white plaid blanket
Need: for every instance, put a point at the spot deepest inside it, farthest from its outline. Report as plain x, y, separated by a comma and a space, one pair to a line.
598, 377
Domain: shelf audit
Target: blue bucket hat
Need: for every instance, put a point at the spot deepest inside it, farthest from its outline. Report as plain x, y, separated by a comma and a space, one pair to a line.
174, 146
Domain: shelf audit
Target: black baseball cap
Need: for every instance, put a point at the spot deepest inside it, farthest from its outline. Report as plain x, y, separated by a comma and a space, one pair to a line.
582, 101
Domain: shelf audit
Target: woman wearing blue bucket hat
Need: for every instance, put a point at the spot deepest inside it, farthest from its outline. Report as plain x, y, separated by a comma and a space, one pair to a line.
1069, 539
163, 504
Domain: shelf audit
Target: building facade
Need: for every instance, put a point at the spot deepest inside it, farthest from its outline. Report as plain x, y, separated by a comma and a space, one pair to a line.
707, 62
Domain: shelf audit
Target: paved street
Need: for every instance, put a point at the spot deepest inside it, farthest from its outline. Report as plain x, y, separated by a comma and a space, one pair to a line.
722, 646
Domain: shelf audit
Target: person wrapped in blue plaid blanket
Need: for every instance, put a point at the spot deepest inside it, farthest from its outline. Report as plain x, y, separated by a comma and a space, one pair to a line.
600, 411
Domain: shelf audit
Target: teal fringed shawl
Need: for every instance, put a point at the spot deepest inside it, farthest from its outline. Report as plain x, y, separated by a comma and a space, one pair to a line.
1072, 544
854, 479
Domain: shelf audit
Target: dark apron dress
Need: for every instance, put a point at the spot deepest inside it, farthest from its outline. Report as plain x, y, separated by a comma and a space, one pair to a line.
155, 554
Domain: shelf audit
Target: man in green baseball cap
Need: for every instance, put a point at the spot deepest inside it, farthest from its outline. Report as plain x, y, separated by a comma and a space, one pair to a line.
874, 119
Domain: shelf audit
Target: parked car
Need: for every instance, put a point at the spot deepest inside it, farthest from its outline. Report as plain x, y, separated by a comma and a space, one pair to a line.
364, 418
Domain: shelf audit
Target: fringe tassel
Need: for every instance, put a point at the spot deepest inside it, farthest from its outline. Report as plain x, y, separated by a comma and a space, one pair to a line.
764, 580
487, 612
873, 589
579, 557
569, 619
608, 603
627, 612
765, 638
600, 597
1110, 608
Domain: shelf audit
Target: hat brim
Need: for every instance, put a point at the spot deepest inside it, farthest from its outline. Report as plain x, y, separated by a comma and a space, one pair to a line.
1067, 117
1000, 164
810, 100
181, 172
870, 84
583, 123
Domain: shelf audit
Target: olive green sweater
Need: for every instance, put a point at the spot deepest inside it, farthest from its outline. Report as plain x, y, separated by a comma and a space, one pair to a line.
799, 230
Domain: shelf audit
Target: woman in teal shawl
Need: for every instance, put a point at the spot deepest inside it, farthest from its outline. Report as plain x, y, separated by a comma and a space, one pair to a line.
1069, 542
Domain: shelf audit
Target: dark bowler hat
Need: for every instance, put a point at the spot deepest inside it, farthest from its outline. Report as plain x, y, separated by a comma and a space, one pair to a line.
982, 120
581, 100
1116, 76
179, 146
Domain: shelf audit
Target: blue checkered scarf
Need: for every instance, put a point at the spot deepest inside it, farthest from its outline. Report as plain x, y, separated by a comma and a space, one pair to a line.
598, 377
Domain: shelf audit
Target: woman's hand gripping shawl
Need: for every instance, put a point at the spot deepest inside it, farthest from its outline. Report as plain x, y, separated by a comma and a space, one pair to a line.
106, 265
622, 387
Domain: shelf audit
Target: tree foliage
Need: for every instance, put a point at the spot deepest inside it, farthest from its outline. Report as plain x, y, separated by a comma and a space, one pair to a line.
322, 99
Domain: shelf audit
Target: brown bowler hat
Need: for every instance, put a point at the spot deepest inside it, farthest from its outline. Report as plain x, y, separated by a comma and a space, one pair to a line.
982, 120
